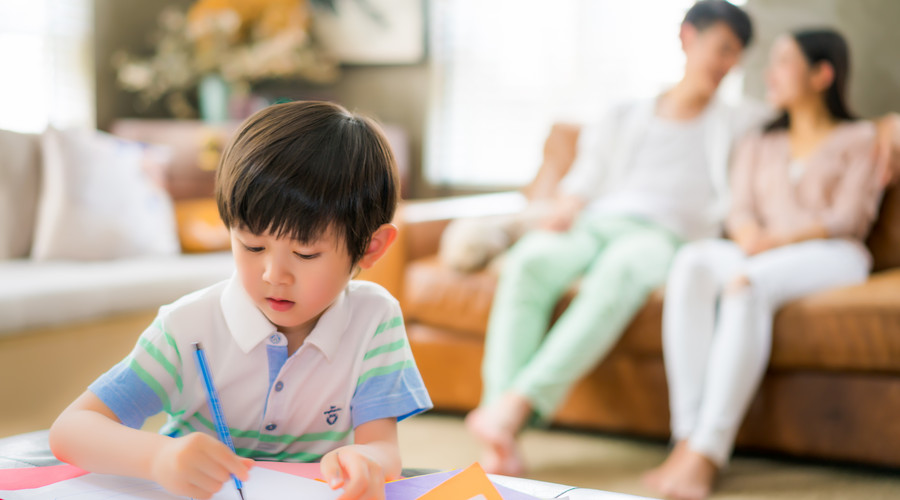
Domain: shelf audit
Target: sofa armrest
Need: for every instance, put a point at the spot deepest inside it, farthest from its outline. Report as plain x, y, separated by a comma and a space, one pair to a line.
424, 221
421, 223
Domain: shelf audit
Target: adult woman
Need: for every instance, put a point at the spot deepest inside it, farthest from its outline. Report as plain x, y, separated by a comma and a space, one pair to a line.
805, 193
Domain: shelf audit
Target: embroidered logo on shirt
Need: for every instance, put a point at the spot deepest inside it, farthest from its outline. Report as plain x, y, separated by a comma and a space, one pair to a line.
331, 416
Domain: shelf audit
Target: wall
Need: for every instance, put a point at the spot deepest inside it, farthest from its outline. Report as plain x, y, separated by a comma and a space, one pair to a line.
391, 94
126, 25
399, 94
868, 25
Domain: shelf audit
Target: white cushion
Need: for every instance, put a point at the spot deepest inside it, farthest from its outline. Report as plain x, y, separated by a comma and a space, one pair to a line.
20, 173
96, 201
35, 294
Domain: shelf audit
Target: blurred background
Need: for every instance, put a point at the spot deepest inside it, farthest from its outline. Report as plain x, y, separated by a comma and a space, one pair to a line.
113, 114
473, 86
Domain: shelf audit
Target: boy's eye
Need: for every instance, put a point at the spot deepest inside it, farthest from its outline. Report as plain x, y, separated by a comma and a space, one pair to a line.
307, 257
254, 249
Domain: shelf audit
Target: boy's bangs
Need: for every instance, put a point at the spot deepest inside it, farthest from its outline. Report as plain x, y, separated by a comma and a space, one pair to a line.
281, 212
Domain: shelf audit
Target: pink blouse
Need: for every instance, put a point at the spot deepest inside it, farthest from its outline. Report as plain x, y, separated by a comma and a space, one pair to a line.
835, 186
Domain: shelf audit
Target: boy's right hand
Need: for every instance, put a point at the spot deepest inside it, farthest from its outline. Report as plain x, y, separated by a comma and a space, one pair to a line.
196, 465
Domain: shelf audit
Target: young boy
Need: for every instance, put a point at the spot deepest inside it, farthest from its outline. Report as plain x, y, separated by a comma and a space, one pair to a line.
308, 364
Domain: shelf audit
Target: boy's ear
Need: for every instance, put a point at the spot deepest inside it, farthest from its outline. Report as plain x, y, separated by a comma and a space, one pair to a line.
381, 241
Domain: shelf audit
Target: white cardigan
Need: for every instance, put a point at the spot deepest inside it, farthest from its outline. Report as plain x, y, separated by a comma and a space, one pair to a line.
606, 150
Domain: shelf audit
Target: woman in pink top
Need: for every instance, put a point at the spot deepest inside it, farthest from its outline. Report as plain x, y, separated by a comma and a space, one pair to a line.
805, 193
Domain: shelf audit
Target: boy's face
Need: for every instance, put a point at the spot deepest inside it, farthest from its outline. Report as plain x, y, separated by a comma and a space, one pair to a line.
291, 283
710, 54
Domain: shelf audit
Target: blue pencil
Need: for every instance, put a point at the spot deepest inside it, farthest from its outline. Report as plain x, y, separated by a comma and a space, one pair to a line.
212, 399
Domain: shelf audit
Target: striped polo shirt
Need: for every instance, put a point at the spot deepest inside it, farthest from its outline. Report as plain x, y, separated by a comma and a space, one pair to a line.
354, 367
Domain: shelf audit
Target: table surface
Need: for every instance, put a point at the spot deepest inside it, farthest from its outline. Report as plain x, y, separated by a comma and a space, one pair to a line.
33, 450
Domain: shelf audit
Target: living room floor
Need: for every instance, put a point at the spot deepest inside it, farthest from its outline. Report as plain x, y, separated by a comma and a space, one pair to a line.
612, 463
592, 460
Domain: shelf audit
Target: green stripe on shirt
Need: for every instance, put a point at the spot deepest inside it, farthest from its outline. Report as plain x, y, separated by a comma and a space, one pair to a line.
391, 323
284, 456
154, 385
160, 358
281, 438
384, 370
171, 341
393, 346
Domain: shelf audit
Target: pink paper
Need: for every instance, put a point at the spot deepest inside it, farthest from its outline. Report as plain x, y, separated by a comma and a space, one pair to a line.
35, 477
309, 471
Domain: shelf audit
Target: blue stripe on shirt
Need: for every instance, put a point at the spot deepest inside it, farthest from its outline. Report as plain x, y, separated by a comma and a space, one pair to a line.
129, 397
398, 394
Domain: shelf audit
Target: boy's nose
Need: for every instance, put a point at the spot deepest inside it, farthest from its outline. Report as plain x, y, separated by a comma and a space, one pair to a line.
276, 273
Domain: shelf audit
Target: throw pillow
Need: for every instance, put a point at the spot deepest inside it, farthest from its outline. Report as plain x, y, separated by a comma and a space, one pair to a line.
20, 169
97, 202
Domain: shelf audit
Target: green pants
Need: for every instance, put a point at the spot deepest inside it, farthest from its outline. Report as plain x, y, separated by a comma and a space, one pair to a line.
621, 261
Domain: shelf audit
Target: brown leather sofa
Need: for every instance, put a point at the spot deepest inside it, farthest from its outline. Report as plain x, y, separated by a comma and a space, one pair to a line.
832, 390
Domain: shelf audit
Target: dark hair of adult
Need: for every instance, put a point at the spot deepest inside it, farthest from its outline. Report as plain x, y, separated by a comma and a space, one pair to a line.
821, 46
706, 13
302, 168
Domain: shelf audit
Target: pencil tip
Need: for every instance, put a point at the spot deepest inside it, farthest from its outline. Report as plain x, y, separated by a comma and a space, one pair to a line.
241, 493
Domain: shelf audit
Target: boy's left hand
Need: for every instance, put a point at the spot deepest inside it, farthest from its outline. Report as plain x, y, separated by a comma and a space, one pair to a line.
351, 468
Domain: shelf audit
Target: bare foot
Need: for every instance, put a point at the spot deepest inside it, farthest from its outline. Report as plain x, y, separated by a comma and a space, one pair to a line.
654, 478
496, 427
690, 478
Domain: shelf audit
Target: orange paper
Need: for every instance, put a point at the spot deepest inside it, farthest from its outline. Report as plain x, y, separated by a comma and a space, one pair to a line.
470, 484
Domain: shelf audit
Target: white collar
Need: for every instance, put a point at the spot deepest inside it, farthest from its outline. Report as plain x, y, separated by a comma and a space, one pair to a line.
249, 326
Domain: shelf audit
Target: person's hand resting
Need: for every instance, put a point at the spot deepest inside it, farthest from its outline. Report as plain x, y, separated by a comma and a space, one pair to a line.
762, 243
356, 471
753, 240
562, 215
196, 465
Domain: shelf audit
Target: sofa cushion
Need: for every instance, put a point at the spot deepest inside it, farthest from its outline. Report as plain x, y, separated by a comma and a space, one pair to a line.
439, 296
853, 328
20, 169
37, 294
97, 202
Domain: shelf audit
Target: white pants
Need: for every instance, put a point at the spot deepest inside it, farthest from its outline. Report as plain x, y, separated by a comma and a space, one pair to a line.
715, 357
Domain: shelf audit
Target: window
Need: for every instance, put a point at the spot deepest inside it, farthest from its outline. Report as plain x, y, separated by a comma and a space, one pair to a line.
46, 52
504, 70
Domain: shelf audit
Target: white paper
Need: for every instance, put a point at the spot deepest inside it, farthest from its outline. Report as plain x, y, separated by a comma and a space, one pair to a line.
264, 484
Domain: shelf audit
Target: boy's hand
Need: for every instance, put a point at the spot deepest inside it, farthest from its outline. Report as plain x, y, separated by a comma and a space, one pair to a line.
196, 465
361, 476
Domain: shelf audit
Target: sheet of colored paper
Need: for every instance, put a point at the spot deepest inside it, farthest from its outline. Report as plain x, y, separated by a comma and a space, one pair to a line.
415, 487
263, 484
35, 477
471, 483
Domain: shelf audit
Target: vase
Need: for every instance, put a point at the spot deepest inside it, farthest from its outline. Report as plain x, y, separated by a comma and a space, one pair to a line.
213, 95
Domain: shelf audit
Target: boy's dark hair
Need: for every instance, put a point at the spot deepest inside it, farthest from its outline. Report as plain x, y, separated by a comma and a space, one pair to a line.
705, 13
302, 168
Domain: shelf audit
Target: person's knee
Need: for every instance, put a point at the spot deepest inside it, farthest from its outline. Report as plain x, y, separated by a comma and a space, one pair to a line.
695, 256
621, 269
532, 257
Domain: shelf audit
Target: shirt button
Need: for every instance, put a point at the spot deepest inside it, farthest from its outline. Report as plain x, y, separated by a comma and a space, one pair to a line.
274, 338
271, 427
279, 386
